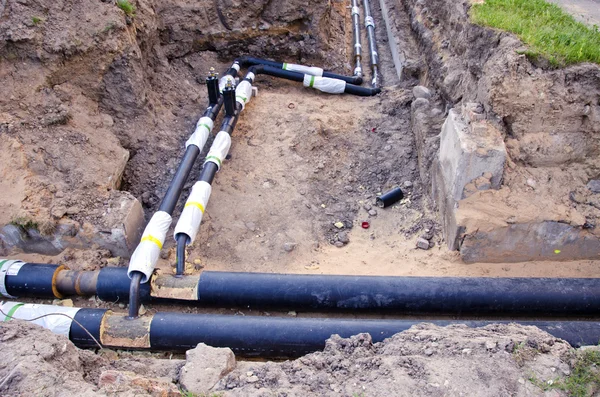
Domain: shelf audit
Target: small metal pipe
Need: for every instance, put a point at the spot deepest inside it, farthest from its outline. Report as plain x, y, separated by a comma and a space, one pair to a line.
134, 294
370, 26
356, 35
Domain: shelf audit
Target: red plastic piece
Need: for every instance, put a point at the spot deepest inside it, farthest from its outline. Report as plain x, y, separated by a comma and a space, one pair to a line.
365, 225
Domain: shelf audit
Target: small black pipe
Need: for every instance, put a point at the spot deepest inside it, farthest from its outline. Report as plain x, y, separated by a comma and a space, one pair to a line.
171, 197
389, 198
209, 170
361, 91
32, 280
134, 293
182, 240
251, 61
113, 286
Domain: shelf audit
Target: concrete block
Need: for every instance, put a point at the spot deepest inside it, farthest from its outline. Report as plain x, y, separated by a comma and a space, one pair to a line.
469, 151
205, 366
523, 242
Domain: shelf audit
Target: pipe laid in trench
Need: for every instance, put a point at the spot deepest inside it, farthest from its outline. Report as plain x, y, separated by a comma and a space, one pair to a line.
357, 47
537, 297
374, 56
310, 70
245, 335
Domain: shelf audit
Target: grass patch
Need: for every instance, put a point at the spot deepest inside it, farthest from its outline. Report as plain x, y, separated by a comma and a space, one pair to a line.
584, 381
36, 20
548, 31
126, 6
24, 223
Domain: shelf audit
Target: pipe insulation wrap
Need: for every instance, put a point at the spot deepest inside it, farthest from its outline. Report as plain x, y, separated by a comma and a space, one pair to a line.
325, 84
203, 128
56, 323
8, 268
191, 216
243, 93
219, 149
250, 76
146, 254
224, 80
369, 21
354, 10
311, 70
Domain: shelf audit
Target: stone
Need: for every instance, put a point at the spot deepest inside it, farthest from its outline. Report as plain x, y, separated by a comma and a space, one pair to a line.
421, 92
339, 225
252, 379
129, 383
348, 188
204, 367
373, 212
594, 185
343, 237
428, 352
367, 207
289, 246
422, 243
338, 244
407, 184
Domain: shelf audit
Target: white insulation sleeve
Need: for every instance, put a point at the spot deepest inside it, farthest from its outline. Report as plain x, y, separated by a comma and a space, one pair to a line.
312, 70
355, 10
8, 268
191, 216
223, 81
243, 93
203, 128
146, 254
219, 149
325, 84
56, 323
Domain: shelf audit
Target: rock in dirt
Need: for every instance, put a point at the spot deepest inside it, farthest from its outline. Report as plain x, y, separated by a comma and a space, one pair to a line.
204, 367
594, 185
289, 246
422, 243
343, 237
421, 92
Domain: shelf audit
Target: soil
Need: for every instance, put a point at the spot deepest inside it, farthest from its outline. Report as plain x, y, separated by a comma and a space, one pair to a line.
423, 361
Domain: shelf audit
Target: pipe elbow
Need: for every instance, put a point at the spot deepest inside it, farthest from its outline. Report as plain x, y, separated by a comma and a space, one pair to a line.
256, 69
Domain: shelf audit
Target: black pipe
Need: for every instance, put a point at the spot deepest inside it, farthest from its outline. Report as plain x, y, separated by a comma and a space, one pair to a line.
296, 76
389, 198
91, 320
406, 295
251, 61
229, 100
212, 85
32, 280
286, 337
113, 286
171, 197
370, 26
134, 293
181, 242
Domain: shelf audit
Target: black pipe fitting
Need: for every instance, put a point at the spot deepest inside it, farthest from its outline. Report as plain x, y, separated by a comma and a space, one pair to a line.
389, 198
229, 100
212, 85
134, 294
361, 91
182, 240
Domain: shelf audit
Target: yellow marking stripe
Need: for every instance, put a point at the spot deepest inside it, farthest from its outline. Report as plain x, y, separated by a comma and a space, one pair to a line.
154, 240
195, 204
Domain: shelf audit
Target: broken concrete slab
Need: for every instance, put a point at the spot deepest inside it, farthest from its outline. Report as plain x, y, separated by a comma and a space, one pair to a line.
467, 151
204, 367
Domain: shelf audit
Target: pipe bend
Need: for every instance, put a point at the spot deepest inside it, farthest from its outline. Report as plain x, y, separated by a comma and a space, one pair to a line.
361, 91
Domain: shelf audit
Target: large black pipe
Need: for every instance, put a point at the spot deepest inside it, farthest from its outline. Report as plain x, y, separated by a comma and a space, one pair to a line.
32, 280
279, 336
537, 297
296, 76
251, 61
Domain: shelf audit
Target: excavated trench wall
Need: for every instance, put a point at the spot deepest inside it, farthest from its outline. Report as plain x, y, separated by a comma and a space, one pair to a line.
514, 167
93, 99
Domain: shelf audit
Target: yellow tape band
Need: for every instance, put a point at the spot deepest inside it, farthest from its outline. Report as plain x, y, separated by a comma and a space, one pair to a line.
195, 204
154, 240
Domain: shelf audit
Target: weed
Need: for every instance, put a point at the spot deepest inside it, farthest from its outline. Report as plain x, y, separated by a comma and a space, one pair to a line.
545, 28
127, 7
109, 26
36, 20
522, 353
24, 223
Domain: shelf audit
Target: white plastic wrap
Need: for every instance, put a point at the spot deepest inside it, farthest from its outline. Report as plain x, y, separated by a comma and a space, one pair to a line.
355, 10
369, 21
219, 149
250, 76
236, 66
191, 216
223, 81
146, 254
312, 70
325, 84
10, 268
55, 322
203, 128
243, 93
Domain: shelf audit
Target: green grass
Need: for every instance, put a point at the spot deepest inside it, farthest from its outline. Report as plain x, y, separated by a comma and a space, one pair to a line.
584, 381
545, 28
36, 20
126, 6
